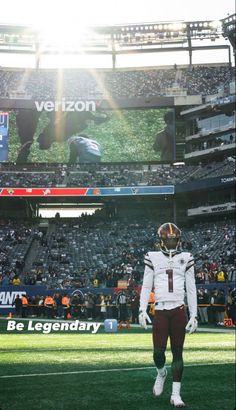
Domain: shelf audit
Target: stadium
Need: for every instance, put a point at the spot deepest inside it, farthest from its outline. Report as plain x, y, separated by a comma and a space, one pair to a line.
106, 134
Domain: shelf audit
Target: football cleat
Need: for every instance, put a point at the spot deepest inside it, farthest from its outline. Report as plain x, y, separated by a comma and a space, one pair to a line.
159, 384
176, 401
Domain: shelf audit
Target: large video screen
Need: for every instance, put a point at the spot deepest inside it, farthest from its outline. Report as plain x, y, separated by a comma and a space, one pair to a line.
127, 135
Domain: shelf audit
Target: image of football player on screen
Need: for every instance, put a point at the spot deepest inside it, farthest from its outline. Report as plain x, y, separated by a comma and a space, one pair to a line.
83, 149
165, 140
169, 271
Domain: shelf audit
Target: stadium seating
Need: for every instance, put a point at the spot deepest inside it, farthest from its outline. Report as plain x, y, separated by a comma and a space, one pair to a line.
98, 175
81, 84
72, 251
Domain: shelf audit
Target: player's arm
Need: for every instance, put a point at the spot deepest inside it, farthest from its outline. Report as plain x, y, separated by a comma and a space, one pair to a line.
145, 292
191, 295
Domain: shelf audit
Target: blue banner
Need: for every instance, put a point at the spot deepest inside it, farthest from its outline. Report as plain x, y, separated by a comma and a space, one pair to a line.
4, 126
132, 191
206, 183
230, 99
9, 293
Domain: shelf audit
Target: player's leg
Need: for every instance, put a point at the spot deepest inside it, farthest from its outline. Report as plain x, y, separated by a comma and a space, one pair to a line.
177, 336
160, 336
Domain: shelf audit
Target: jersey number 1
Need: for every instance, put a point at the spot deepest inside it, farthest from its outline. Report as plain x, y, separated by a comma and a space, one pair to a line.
169, 272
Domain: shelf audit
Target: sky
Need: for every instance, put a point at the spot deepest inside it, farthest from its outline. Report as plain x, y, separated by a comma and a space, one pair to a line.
112, 11
55, 17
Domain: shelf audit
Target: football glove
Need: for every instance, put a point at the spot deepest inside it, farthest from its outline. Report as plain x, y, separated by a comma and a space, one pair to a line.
191, 325
143, 317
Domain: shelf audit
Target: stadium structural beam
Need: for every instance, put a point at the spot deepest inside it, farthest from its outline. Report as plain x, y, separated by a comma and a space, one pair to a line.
174, 211
190, 50
113, 48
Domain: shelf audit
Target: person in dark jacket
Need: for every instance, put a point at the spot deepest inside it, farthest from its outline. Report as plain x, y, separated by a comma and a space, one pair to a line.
18, 305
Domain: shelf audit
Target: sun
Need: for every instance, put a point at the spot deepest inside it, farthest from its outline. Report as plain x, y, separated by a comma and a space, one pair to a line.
62, 29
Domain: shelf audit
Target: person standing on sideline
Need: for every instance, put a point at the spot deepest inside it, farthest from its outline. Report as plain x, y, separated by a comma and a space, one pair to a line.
49, 305
18, 305
24, 308
169, 271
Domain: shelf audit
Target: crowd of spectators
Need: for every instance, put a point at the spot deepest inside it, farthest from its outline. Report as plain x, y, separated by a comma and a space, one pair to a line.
31, 179
97, 252
107, 175
83, 84
206, 80
16, 239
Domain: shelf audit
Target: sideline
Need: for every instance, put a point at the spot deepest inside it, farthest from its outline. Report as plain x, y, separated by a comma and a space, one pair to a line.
130, 369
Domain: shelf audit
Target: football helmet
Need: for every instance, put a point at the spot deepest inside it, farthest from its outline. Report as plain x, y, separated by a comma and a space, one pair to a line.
169, 235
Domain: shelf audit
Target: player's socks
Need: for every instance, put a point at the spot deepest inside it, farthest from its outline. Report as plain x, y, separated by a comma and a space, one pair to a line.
176, 386
162, 371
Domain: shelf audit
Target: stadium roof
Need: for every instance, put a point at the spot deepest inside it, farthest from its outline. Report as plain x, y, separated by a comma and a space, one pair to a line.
149, 37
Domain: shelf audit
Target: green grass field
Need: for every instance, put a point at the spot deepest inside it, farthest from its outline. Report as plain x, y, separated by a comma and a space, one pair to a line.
110, 371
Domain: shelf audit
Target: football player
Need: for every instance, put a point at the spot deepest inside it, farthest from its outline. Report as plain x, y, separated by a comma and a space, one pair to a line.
169, 271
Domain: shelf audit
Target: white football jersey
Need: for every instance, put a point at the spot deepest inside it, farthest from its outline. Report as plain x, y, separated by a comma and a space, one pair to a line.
169, 276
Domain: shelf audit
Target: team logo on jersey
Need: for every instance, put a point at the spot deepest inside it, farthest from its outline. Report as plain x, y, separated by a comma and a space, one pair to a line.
182, 261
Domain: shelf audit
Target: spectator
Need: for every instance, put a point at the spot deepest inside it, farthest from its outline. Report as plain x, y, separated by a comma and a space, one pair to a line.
135, 306
18, 306
25, 303
220, 309
202, 301
231, 305
49, 304
66, 305
122, 306
103, 307
212, 311
221, 276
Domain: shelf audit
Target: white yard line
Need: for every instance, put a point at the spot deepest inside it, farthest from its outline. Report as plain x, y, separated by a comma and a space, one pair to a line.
114, 347
10, 376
